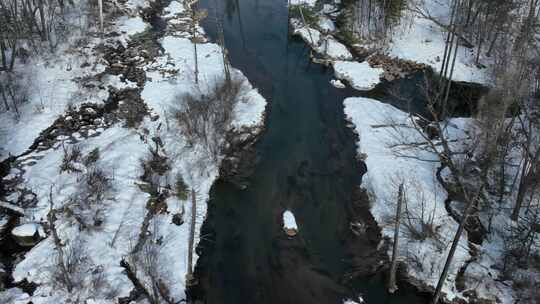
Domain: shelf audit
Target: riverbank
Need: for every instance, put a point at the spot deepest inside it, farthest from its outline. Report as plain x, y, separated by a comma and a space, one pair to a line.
114, 128
413, 43
307, 165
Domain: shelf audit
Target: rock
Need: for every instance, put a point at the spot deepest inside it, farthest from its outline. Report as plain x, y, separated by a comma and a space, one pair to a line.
29, 234
289, 224
337, 83
178, 219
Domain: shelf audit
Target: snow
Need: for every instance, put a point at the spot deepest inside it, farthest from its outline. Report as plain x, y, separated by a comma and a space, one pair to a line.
421, 40
415, 38
289, 221
131, 25
326, 24
360, 75
174, 8
380, 127
121, 150
310, 3
53, 90
12, 207
323, 44
249, 111
386, 170
337, 83
28, 229
349, 301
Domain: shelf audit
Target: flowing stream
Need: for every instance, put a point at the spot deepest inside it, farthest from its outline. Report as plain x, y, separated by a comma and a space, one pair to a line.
306, 164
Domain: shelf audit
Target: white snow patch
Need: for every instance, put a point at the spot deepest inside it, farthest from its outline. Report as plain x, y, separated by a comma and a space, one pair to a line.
387, 170
361, 76
12, 207
423, 41
28, 229
349, 301
337, 83
325, 24
132, 25
323, 44
310, 3
289, 221
174, 8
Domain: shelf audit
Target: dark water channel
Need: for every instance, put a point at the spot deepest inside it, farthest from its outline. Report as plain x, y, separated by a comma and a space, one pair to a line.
307, 164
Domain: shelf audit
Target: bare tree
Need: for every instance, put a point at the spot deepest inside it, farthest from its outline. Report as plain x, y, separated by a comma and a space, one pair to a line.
392, 286
189, 274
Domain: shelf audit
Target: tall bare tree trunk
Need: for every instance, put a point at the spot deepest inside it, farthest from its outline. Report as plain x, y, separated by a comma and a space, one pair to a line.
392, 286
13, 55
4, 97
468, 209
189, 275
3, 54
43, 22
194, 20
100, 2
521, 188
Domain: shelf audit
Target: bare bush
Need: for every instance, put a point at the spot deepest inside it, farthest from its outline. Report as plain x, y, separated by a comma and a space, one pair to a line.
145, 268
98, 183
92, 157
206, 118
181, 189
68, 272
72, 156
86, 205
154, 167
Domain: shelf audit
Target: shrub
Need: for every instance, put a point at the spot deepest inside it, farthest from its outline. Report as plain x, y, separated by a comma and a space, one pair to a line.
206, 118
72, 155
92, 157
182, 190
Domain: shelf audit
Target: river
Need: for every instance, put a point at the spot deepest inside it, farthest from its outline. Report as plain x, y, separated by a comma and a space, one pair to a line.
306, 164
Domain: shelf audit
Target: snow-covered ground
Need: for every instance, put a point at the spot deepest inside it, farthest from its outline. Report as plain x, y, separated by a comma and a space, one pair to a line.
360, 75
52, 88
421, 40
325, 45
125, 205
382, 128
415, 38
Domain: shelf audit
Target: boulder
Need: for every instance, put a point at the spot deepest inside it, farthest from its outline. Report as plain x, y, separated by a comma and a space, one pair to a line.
28, 234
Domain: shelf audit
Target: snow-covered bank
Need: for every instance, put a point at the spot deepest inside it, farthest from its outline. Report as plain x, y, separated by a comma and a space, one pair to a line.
414, 39
144, 172
325, 45
421, 40
382, 130
361, 76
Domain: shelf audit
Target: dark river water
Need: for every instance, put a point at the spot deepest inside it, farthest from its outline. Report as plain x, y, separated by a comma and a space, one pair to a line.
306, 164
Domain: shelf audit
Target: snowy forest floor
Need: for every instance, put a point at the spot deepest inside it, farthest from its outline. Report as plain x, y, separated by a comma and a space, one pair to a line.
99, 160
413, 44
